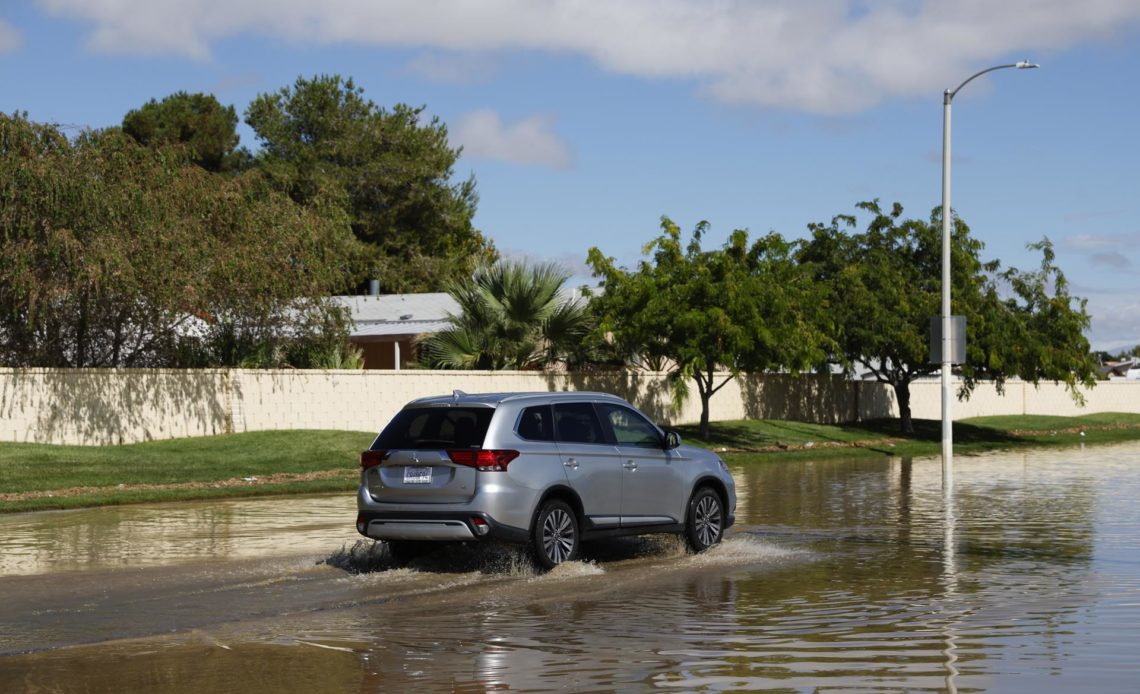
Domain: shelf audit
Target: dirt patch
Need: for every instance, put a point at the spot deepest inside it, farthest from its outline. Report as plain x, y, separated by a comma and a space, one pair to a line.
1072, 430
809, 445
870, 443
277, 478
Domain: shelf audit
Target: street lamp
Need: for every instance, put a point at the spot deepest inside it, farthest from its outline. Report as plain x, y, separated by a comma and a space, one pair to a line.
947, 338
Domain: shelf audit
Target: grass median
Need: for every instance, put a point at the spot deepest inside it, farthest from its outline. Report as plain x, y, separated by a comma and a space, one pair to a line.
41, 477
747, 441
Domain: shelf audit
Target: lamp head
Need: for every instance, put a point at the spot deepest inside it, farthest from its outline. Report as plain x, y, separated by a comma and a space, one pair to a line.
1025, 64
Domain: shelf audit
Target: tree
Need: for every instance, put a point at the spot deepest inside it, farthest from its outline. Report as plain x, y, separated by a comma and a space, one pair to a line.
198, 121
1035, 331
741, 307
885, 284
326, 145
114, 254
513, 316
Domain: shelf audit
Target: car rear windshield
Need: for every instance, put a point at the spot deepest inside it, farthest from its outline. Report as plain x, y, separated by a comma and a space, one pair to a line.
436, 427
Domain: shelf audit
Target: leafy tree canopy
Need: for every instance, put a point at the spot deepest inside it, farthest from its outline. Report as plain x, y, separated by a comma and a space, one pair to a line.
884, 285
198, 121
513, 316
697, 312
326, 145
116, 254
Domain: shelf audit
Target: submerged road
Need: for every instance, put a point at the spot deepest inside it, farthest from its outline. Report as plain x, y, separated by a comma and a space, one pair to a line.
841, 575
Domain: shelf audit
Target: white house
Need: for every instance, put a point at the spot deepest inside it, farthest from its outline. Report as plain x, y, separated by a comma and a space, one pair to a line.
385, 326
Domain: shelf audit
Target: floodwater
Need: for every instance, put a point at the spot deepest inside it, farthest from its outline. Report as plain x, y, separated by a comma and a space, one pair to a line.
840, 576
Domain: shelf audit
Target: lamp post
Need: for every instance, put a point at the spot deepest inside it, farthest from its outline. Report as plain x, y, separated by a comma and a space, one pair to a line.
947, 338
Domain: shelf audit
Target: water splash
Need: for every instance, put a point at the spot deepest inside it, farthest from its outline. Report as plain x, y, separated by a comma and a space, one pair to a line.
371, 556
571, 570
364, 556
741, 550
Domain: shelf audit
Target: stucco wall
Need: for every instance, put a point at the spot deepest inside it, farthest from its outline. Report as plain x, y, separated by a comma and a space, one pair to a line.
106, 406
1025, 398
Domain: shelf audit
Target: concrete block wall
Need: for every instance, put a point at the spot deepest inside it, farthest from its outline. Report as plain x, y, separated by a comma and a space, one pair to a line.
111, 406
1025, 398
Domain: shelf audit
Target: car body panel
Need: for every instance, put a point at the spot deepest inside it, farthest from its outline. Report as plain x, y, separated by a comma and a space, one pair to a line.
594, 472
393, 481
654, 484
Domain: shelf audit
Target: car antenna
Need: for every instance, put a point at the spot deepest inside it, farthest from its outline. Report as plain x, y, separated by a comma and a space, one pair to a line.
456, 394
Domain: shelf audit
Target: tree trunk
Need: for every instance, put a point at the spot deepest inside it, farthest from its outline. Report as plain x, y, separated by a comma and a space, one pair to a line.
705, 389
705, 396
81, 332
902, 395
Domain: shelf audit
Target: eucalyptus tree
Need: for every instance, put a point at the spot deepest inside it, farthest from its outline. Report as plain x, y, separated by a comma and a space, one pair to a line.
513, 315
117, 254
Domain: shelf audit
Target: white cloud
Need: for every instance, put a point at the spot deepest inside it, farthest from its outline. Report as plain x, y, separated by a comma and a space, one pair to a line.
1101, 242
10, 39
1109, 250
829, 56
573, 263
482, 134
453, 68
1110, 259
1115, 319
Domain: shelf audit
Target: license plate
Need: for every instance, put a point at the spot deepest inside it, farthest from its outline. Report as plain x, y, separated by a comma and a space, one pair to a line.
417, 475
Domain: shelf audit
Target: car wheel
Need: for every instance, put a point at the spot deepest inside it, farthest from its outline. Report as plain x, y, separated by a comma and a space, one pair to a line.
704, 525
555, 538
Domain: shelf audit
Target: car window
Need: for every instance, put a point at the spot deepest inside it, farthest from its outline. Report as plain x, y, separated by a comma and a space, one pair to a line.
536, 424
576, 422
436, 427
629, 427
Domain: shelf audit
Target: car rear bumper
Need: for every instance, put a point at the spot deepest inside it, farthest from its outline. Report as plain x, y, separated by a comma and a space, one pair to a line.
435, 525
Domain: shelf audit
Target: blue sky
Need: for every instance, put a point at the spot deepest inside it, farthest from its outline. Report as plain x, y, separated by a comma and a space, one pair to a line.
586, 121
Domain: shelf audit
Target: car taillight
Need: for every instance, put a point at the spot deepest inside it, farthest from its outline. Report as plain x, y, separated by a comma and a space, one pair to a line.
483, 460
372, 458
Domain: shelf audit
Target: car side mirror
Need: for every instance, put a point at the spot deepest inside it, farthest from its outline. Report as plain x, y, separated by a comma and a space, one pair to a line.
672, 440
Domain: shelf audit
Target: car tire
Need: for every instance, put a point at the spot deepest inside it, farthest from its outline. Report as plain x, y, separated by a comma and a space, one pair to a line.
704, 523
555, 537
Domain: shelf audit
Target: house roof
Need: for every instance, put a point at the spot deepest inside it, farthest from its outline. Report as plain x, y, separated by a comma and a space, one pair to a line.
398, 314
390, 315
399, 328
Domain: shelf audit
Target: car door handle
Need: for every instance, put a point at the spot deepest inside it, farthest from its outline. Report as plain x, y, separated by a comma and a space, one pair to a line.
630, 465
570, 463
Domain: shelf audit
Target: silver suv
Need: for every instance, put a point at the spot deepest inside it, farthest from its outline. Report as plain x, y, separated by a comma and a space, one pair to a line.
545, 469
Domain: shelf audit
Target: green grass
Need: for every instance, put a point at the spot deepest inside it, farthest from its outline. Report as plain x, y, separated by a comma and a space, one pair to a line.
78, 476
346, 485
779, 440
36, 467
195, 462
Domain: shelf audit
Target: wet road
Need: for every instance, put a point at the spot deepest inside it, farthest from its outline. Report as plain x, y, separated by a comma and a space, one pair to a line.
842, 575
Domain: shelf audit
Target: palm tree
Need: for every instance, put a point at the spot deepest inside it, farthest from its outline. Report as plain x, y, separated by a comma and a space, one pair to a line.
513, 316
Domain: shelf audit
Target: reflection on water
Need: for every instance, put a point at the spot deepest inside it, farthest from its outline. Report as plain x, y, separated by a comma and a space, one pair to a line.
841, 575
159, 535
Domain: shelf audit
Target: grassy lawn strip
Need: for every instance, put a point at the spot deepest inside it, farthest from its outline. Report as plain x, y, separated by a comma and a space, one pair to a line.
40, 477
770, 440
